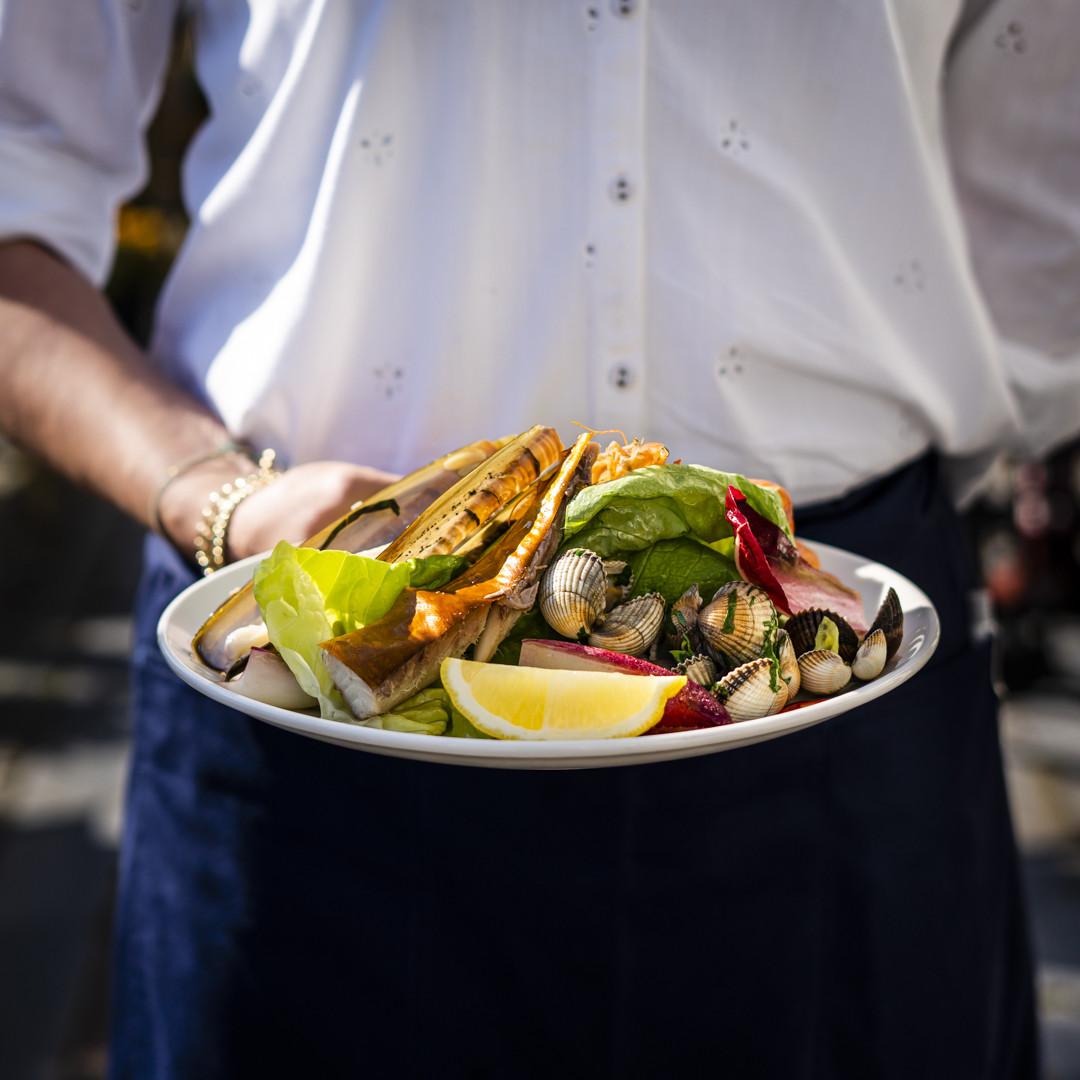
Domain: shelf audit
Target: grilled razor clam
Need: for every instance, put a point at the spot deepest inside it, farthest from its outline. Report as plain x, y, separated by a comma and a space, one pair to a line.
459, 512
374, 522
383, 663
517, 592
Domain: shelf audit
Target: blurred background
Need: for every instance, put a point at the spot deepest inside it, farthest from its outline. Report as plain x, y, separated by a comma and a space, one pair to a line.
67, 581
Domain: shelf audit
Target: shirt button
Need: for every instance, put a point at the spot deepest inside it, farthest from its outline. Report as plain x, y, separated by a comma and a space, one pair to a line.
625, 8
621, 189
621, 376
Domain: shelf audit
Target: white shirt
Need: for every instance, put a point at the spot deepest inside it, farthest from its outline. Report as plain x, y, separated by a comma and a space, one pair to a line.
799, 239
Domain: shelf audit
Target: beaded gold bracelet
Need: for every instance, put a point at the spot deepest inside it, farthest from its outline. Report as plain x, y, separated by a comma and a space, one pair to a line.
175, 471
212, 534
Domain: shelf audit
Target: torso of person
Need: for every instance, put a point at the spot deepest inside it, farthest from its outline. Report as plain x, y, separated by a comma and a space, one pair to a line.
728, 227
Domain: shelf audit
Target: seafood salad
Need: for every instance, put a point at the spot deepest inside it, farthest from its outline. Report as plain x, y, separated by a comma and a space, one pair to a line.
514, 586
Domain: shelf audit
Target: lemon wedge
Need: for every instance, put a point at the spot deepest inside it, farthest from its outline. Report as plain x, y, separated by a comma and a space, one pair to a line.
541, 703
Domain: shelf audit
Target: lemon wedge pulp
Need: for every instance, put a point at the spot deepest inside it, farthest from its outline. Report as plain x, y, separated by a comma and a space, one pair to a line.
542, 703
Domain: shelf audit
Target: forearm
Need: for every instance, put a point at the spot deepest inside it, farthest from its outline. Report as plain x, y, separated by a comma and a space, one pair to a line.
76, 390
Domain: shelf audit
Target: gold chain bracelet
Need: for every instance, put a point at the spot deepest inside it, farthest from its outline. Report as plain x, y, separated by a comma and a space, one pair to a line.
213, 530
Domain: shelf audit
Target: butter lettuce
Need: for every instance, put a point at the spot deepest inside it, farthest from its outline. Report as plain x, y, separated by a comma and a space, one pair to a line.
308, 596
661, 502
425, 713
670, 567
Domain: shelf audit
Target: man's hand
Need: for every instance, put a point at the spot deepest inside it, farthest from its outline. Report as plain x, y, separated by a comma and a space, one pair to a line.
295, 506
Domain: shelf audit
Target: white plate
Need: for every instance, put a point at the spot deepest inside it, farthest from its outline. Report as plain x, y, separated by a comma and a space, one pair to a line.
189, 610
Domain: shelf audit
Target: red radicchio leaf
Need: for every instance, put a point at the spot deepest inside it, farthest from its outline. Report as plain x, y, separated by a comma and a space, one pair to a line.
766, 556
756, 539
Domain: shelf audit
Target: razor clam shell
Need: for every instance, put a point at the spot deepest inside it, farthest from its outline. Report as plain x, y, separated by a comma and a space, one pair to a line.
823, 672
789, 662
751, 691
376, 521
631, 627
803, 628
699, 669
889, 620
738, 620
573, 592
871, 658
452, 518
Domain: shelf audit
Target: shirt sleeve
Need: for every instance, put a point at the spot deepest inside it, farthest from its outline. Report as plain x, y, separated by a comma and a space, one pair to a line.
79, 83
1012, 98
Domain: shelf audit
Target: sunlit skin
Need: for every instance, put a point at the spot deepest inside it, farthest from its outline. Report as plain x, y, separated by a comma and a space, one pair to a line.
76, 390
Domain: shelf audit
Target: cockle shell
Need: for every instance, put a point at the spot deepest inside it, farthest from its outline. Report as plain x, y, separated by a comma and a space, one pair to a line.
681, 632
823, 672
739, 620
803, 627
699, 669
890, 621
631, 627
870, 659
573, 592
616, 593
752, 690
789, 662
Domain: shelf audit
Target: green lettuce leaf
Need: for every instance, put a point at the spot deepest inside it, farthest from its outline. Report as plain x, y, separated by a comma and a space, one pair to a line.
661, 502
308, 596
670, 567
425, 713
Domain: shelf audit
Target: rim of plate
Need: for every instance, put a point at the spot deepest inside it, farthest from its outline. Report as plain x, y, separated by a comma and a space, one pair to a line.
915, 654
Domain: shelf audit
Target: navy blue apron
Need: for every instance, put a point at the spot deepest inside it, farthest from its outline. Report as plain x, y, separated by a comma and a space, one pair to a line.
839, 903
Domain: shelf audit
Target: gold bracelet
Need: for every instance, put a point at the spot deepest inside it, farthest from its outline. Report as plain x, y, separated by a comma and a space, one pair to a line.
175, 471
213, 530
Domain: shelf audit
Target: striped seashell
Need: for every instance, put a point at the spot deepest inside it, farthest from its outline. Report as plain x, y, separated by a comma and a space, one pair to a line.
870, 660
890, 621
631, 627
823, 672
789, 662
803, 627
573, 592
752, 690
738, 621
699, 669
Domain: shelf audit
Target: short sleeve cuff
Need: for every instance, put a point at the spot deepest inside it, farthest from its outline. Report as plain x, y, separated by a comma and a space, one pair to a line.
49, 195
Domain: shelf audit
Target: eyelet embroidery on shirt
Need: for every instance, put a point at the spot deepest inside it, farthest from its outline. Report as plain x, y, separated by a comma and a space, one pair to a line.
734, 140
592, 17
377, 147
249, 86
730, 363
910, 277
1012, 39
590, 256
389, 379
